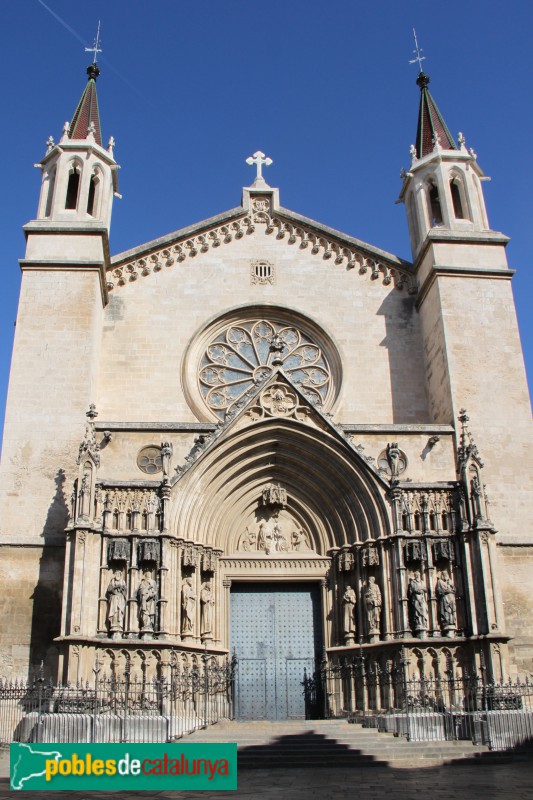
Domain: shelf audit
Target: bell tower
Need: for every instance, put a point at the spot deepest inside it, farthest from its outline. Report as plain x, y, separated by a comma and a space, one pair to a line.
79, 176
54, 367
468, 320
442, 190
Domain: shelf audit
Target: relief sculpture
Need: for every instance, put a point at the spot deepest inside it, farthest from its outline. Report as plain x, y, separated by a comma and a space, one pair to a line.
273, 536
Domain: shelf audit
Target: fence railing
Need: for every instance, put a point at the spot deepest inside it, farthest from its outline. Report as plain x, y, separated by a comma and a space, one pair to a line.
442, 707
111, 709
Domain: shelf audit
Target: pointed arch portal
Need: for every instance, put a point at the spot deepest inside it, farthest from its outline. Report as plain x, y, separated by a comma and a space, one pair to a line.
308, 485
331, 493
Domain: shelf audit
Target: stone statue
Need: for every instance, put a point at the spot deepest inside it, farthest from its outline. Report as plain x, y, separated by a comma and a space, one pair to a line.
188, 607
280, 543
372, 603
166, 456
445, 591
300, 540
348, 602
270, 537
248, 540
475, 490
206, 610
418, 605
265, 537
393, 457
116, 604
146, 598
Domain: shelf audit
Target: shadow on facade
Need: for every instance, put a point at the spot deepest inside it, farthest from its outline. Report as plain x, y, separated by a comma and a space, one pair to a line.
403, 341
46, 596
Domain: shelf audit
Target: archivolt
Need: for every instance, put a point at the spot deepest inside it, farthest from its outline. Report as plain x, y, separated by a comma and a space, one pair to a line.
330, 491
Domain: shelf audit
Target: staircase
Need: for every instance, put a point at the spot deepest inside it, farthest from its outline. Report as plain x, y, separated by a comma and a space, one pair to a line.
334, 744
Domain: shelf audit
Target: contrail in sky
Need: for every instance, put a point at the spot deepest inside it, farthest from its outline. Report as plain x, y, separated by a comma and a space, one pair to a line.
63, 23
84, 43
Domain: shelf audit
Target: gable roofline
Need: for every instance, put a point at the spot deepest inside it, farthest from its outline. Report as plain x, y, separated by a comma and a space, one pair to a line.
344, 237
248, 401
241, 212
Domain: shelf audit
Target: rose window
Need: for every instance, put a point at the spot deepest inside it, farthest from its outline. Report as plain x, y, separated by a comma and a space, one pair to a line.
244, 355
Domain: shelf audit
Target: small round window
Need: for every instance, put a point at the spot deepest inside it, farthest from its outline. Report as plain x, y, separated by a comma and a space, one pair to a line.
149, 460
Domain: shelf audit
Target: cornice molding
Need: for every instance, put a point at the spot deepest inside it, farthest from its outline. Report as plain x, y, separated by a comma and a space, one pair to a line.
438, 271
319, 240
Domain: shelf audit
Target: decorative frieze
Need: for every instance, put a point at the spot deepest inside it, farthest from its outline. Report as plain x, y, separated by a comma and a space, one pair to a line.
276, 564
341, 253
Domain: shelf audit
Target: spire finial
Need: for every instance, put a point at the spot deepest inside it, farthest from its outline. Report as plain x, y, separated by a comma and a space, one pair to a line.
96, 46
418, 54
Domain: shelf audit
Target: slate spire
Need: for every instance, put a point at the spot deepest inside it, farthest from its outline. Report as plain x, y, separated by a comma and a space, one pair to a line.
87, 116
431, 125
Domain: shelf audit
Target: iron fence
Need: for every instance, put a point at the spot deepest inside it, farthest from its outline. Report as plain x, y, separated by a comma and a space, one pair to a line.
441, 707
111, 709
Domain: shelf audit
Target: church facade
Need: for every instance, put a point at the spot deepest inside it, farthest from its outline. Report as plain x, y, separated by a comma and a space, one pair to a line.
258, 435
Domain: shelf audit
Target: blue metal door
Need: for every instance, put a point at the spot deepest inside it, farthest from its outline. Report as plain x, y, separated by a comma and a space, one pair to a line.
276, 635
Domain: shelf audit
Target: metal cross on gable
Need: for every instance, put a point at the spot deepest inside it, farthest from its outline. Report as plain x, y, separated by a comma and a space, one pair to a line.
259, 159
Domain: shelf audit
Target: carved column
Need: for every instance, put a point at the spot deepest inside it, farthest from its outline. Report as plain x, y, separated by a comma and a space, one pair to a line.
171, 588
433, 617
467, 559
67, 581
163, 587
328, 619
334, 595
396, 507
358, 583
78, 582
133, 613
165, 502
101, 626
224, 611
177, 588
198, 587
498, 622
399, 569
386, 581
484, 594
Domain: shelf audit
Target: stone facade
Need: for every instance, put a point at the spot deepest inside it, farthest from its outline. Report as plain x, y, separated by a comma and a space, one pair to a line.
259, 399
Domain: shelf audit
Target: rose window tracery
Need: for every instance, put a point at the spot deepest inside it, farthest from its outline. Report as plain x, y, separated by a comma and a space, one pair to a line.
244, 355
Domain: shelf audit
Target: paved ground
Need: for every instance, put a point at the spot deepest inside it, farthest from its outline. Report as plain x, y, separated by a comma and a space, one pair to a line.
456, 782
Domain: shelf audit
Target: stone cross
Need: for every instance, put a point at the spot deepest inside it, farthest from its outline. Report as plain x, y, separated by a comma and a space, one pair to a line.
259, 159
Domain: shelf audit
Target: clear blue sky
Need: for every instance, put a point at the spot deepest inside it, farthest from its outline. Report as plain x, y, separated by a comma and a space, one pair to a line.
189, 88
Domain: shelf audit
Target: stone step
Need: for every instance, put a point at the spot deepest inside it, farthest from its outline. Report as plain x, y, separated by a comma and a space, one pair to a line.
329, 743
